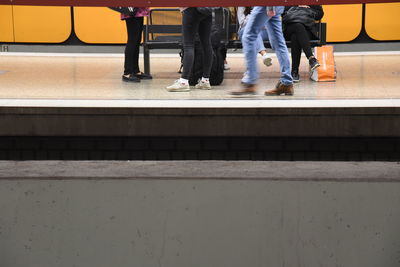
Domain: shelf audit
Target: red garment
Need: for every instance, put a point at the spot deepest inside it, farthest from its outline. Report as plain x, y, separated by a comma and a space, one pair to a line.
142, 12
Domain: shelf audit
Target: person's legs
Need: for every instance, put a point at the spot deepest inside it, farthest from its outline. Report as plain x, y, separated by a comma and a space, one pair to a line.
224, 52
207, 59
274, 28
296, 52
240, 33
264, 33
251, 32
190, 25
260, 48
303, 38
205, 39
291, 35
263, 36
260, 43
134, 28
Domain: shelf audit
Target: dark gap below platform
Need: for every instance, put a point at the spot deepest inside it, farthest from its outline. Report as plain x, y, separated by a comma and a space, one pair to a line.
200, 148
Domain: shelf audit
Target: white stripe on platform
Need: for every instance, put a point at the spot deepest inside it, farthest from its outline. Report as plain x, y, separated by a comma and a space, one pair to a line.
40, 54
173, 55
362, 53
227, 103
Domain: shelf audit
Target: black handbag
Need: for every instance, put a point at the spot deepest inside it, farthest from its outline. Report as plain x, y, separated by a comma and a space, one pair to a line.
129, 11
303, 15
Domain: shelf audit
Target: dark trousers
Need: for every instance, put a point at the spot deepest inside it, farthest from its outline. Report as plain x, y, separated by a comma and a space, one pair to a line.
134, 28
194, 22
299, 37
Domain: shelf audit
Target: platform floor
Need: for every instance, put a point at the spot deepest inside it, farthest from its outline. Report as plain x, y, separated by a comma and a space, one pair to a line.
34, 76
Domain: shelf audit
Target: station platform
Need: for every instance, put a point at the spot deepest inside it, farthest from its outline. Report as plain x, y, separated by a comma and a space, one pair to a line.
82, 96
58, 76
367, 84
98, 172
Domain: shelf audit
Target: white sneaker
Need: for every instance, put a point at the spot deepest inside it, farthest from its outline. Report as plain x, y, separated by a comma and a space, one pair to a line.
267, 60
226, 67
178, 86
203, 85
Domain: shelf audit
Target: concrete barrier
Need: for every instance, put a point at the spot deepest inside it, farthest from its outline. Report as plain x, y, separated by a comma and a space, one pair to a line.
179, 214
323, 121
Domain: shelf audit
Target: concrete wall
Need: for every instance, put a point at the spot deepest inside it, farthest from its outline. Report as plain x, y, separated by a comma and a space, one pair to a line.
322, 121
208, 221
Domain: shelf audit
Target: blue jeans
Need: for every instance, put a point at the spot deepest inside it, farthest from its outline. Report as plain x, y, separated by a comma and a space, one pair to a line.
262, 36
258, 18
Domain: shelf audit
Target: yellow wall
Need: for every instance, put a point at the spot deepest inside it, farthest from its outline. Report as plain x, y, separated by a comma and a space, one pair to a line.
383, 21
41, 24
6, 24
343, 22
100, 25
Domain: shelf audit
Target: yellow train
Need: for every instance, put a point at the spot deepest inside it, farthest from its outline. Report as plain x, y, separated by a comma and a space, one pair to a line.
100, 25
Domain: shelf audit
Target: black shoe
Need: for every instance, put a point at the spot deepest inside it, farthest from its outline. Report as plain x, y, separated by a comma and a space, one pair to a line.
143, 76
313, 63
295, 76
130, 78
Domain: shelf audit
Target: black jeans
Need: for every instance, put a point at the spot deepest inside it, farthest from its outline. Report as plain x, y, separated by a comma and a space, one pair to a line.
299, 37
134, 28
194, 22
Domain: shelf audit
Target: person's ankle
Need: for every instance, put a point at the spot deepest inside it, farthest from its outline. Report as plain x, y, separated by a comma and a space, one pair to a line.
183, 81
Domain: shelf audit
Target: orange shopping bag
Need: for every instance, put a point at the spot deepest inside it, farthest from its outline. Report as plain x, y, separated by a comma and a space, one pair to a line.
327, 71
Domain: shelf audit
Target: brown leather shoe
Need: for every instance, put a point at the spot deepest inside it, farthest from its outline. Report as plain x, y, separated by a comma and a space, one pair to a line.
247, 89
280, 89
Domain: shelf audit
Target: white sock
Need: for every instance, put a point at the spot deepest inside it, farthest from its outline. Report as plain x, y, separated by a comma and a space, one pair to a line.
206, 80
184, 81
265, 56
